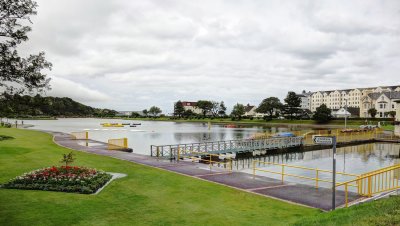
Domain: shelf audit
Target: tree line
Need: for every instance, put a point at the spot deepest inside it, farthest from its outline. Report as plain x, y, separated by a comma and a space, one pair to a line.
270, 108
25, 106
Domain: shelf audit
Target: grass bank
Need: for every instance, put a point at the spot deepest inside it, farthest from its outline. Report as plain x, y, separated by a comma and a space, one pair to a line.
383, 212
146, 196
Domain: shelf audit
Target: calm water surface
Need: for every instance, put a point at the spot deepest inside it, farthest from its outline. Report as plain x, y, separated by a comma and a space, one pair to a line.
152, 132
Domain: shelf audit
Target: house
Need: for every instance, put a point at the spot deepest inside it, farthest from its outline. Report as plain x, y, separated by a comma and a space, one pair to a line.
250, 110
383, 102
188, 105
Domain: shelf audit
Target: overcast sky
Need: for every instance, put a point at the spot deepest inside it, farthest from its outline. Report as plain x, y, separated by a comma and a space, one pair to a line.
130, 55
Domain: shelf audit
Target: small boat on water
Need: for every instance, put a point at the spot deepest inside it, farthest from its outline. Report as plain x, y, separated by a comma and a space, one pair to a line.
136, 124
230, 126
112, 125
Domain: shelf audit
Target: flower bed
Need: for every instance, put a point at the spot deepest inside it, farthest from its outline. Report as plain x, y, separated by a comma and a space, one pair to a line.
62, 178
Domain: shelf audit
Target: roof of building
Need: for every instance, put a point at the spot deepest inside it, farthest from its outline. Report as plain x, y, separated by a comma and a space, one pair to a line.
390, 95
351, 110
189, 103
361, 89
248, 107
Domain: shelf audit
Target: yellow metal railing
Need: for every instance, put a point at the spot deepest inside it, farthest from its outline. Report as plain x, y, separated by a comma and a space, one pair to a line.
282, 172
342, 135
378, 181
118, 144
347, 135
80, 135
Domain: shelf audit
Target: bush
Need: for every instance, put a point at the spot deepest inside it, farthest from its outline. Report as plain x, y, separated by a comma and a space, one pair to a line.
65, 179
3, 137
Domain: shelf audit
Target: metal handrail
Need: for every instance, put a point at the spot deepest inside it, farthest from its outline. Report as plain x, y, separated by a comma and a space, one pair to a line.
377, 181
282, 173
227, 146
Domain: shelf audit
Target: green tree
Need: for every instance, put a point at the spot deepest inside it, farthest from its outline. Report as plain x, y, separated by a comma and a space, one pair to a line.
269, 106
322, 114
372, 112
16, 71
188, 113
179, 109
135, 115
222, 109
145, 112
237, 111
292, 105
155, 111
205, 106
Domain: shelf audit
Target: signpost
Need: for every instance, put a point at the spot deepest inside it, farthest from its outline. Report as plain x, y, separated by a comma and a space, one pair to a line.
329, 140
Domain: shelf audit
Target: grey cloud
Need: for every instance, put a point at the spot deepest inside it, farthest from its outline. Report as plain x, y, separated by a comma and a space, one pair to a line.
155, 52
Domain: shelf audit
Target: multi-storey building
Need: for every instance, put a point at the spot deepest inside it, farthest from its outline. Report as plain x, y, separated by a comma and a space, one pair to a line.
361, 98
305, 99
384, 103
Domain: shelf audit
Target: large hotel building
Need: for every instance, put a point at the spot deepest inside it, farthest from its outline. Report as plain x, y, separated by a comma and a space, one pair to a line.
359, 100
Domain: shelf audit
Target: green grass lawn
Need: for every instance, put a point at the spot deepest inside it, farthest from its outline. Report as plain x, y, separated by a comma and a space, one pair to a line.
146, 196
384, 212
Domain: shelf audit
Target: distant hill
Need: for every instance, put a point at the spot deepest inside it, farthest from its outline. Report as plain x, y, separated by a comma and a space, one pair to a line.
38, 106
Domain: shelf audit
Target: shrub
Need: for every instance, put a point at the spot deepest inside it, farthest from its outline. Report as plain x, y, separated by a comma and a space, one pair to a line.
64, 178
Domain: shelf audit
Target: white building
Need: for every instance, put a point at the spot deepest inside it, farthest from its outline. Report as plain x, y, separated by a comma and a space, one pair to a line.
383, 102
250, 110
355, 98
188, 105
305, 99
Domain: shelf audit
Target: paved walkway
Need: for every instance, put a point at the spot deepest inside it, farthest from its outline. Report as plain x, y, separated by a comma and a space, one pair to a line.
293, 192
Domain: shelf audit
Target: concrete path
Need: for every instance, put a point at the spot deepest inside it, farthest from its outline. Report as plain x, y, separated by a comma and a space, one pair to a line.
292, 192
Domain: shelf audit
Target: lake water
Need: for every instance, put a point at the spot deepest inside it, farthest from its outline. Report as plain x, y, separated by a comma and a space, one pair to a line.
355, 159
152, 132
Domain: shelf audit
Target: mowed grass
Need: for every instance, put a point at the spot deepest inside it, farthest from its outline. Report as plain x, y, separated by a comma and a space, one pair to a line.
384, 212
146, 196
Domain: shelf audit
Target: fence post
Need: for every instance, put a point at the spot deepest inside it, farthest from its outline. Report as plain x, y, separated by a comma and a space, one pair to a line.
346, 195
369, 187
283, 172
316, 178
125, 142
158, 151
179, 151
87, 135
254, 169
